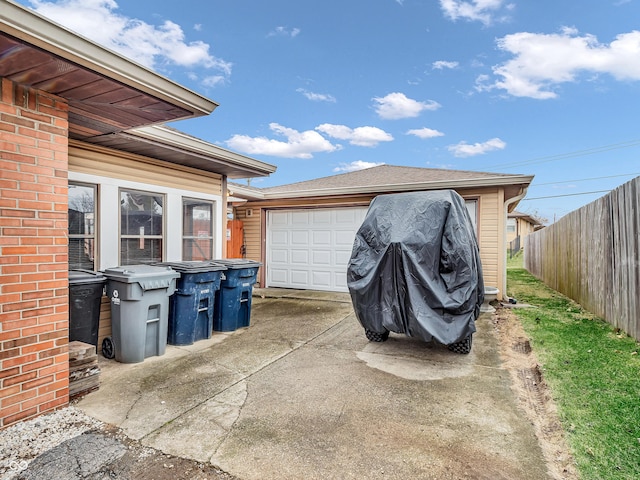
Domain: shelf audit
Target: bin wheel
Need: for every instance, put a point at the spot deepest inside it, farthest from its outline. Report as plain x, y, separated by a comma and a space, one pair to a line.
463, 346
375, 336
108, 350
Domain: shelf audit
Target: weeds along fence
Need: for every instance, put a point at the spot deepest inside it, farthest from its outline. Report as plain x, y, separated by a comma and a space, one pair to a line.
592, 255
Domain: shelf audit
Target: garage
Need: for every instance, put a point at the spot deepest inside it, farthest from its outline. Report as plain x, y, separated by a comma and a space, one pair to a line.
310, 248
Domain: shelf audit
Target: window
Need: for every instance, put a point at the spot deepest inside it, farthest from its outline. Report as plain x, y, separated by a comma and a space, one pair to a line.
141, 227
472, 208
82, 224
197, 229
511, 225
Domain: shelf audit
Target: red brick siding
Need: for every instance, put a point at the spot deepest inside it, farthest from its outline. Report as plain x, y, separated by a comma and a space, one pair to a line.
34, 319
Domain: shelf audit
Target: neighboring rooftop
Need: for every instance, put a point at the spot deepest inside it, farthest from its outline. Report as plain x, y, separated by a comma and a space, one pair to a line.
532, 219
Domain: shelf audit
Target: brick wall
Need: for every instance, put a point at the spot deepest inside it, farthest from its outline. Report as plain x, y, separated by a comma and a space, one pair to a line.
34, 319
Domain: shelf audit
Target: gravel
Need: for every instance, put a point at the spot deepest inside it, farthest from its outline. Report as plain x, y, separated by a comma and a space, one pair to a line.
24, 441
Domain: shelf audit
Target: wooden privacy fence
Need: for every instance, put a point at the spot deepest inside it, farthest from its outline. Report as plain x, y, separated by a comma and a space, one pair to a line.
592, 255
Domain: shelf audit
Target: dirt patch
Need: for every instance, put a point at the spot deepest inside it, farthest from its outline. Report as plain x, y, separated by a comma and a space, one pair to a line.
533, 394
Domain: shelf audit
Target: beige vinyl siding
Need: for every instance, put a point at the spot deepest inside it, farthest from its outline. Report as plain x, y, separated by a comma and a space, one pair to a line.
92, 160
252, 231
490, 231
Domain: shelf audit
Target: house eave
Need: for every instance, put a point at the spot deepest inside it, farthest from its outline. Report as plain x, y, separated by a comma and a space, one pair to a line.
235, 165
38, 31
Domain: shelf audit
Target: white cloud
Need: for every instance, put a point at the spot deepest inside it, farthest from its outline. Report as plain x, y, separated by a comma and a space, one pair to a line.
149, 45
443, 166
483, 11
356, 165
213, 80
543, 61
425, 133
284, 32
297, 144
463, 149
360, 136
442, 64
397, 105
317, 97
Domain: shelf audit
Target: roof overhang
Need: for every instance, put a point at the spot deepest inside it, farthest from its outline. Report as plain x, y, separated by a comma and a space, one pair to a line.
515, 184
106, 92
171, 145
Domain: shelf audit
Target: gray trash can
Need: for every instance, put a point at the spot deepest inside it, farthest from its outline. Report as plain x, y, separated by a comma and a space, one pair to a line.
139, 296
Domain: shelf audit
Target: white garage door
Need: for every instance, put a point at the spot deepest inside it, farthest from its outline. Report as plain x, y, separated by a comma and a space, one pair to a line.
310, 249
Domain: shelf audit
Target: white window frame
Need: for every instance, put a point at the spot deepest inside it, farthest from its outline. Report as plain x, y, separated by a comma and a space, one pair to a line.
89, 236
109, 216
213, 224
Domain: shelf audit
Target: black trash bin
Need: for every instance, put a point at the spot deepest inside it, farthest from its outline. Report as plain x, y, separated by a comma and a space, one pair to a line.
191, 307
86, 288
233, 301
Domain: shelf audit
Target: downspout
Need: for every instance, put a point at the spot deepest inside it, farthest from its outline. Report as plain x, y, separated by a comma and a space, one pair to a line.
508, 203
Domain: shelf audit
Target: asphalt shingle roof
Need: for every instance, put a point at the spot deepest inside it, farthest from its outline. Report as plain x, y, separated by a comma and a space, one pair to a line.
381, 176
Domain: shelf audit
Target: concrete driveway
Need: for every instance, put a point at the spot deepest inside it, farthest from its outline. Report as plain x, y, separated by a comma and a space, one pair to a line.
302, 394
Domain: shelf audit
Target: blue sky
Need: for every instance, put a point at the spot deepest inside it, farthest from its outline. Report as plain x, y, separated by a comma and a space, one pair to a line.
546, 87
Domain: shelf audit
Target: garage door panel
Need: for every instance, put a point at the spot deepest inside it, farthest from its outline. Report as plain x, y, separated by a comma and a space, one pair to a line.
348, 216
344, 238
279, 218
318, 244
279, 255
321, 238
340, 281
342, 257
300, 257
321, 217
279, 238
300, 277
321, 257
300, 237
279, 275
321, 279
300, 218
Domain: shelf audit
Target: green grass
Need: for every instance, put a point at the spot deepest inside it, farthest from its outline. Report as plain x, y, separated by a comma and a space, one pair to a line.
515, 261
594, 375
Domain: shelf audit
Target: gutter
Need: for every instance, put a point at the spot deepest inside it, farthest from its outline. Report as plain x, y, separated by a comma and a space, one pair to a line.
403, 187
240, 192
32, 28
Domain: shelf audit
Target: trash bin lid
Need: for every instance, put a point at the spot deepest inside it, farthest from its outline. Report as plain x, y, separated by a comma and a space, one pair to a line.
236, 263
80, 276
135, 273
194, 266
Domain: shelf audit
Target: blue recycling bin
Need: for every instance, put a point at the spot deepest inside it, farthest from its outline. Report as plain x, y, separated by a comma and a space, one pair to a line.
233, 300
191, 307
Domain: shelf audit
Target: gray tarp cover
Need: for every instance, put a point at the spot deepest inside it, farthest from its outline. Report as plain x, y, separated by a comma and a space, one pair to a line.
415, 267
